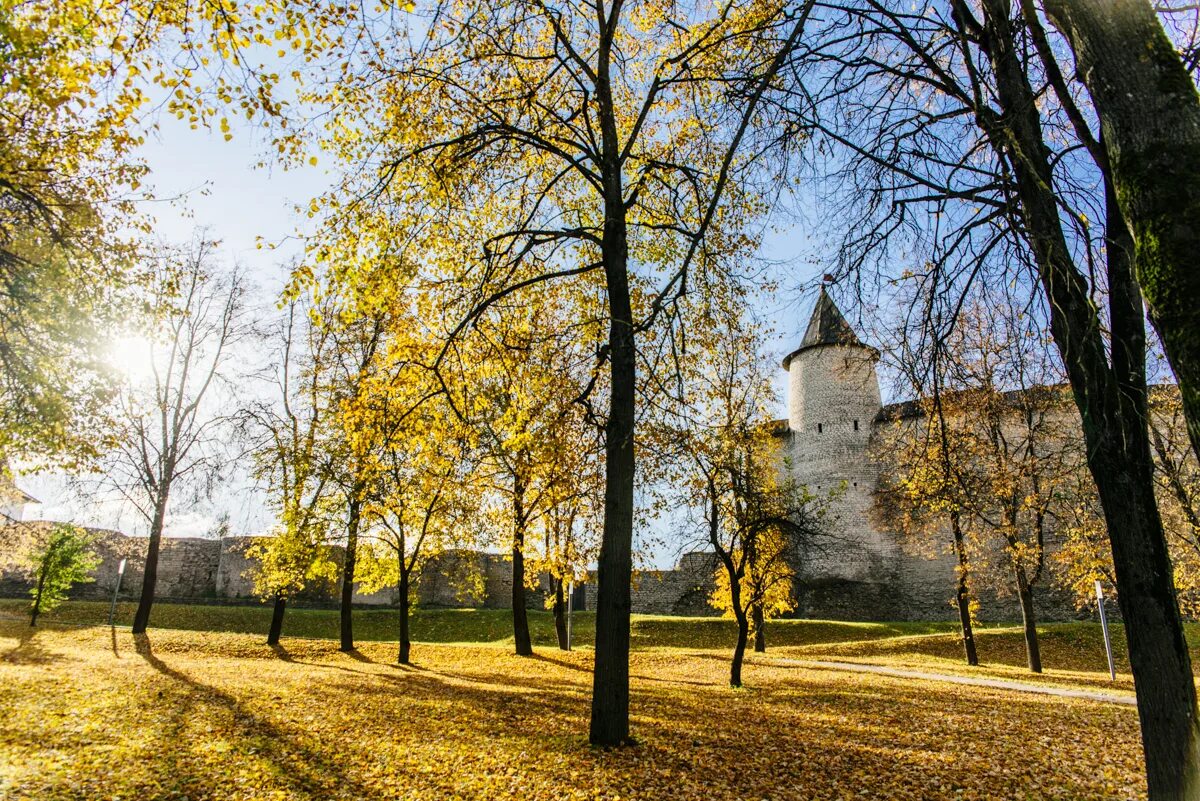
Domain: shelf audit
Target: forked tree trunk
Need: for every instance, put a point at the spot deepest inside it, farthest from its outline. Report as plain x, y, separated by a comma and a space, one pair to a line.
560, 615
348, 564
760, 629
141, 618
1112, 403
276, 620
521, 639
962, 594
1149, 113
1033, 654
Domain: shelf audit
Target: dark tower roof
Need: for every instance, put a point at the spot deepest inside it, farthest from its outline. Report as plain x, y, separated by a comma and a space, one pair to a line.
827, 326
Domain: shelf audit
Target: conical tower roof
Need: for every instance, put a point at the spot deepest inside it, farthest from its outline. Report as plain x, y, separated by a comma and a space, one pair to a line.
827, 326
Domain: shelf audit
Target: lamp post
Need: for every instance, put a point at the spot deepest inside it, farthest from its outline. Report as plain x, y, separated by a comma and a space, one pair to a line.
112, 610
1112, 671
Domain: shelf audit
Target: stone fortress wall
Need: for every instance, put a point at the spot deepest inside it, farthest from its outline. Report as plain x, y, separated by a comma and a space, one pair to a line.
859, 572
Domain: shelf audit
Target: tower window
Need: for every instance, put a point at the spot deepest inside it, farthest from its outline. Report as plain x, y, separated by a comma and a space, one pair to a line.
820, 427
855, 425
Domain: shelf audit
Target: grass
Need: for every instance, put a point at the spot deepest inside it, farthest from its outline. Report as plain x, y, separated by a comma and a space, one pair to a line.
473, 625
93, 712
1072, 653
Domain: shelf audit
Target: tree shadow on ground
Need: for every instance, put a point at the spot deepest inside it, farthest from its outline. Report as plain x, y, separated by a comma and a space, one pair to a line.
28, 651
301, 768
560, 662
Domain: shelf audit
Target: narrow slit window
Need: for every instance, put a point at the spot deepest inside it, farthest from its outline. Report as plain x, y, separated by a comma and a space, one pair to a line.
820, 428
855, 425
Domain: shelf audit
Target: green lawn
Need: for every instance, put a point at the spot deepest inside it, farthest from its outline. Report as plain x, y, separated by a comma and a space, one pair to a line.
474, 625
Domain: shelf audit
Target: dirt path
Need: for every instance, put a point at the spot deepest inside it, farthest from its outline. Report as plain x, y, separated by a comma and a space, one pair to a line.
997, 684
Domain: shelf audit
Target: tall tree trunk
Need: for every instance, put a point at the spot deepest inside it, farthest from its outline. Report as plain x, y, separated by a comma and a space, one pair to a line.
37, 598
141, 618
1033, 654
560, 615
348, 564
739, 650
276, 620
610, 677
1112, 405
521, 639
760, 629
405, 643
1149, 113
962, 593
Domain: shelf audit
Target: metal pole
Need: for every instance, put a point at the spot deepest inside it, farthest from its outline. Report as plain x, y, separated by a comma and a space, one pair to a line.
570, 609
113, 609
1112, 670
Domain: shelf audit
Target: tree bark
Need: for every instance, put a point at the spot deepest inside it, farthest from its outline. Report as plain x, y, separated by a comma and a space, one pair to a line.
1149, 114
610, 677
405, 644
37, 598
276, 620
739, 650
760, 629
962, 592
521, 638
1033, 654
348, 564
141, 618
1112, 405
560, 616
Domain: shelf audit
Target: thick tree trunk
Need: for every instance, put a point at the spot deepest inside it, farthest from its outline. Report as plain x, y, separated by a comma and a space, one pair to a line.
277, 620
560, 616
347, 604
760, 629
610, 677
1149, 113
405, 643
141, 618
1112, 405
521, 639
739, 650
962, 593
1033, 654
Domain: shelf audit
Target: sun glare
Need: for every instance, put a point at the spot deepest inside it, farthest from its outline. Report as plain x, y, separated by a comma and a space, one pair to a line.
133, 356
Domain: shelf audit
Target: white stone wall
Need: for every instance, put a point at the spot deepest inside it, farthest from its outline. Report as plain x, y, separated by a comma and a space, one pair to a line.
833, 398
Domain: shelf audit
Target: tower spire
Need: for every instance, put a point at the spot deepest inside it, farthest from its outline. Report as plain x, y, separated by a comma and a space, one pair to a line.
827, 326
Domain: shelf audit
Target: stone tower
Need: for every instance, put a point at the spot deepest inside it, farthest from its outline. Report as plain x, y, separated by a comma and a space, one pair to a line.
833, 402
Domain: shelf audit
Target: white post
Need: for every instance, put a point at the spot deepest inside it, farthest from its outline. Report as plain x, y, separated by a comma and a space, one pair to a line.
570, 609
112, 609
1112, 671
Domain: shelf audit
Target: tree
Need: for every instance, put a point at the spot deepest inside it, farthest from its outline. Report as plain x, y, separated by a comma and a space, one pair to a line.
357, 342
290, 438
61, 562
571, 143
757, 520
919, 495
422, 499
169, 431
66, 178
966, 113
527, 369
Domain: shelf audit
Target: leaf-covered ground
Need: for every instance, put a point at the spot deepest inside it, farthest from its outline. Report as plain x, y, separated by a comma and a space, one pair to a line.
95, 713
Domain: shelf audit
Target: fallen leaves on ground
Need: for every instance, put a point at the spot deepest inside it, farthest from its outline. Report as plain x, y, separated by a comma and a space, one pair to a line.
94, 714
